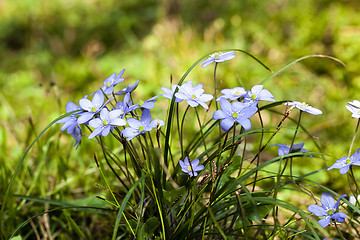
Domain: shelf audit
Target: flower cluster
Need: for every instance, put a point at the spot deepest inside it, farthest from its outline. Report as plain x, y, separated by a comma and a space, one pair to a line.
107, 111
103, 118
238, 111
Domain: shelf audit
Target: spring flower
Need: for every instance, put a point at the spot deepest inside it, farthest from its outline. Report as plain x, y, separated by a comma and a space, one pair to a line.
125, 106
91, 107
111, 81
235, 112
70, 122
77, 135
284, 149
169, 93
218, 57
128, 89
344, 163
194, 95
257, 93
327, 210
232, 94
354, 108
304, 107
137, 127
105, 122
191, 168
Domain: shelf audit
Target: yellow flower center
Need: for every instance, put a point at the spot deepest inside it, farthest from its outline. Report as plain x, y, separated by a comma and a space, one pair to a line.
304, 105
141, 128
217, 55
330, 211
234, 115
189, 168
193, 97
104, 122
108, 84
93, 109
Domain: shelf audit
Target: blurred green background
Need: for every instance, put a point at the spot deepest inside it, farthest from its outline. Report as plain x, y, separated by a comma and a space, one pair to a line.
57, 51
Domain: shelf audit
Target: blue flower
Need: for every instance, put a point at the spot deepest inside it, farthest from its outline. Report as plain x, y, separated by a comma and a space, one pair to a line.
105, 122
191, 168
77, 135
137, 127
128, 89
232, 94
218, 57
235, 112
354, 108
284, 149
304, 107
327, 210
194, 95
91, 107
257, 93
126, 105
169, 93
344, 163
70, 122
111, 81
148, 104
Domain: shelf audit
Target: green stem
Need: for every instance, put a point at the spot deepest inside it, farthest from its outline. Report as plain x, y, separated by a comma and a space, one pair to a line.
215, 86
202, 134
354, 137
291, 146
258, 155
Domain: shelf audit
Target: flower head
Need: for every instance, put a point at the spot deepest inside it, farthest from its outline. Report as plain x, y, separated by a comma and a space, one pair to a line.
169, 93
191, 168
232, 94
105, 122
218, 57
344, 163
284, 149
125, 106
77, 135
91, 107
354, 108
110, 82
70, 122
257, 93
327, 210
235, 112
304, 107
128, 89
194, 95
137, 127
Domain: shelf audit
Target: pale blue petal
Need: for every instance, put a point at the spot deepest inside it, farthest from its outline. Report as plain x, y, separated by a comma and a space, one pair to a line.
86, 104
84, 117
324, 222
317, 210
327, 200
219, 114
227, 123
95, 123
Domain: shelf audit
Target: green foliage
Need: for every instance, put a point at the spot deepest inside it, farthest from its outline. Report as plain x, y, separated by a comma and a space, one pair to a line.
56, 51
